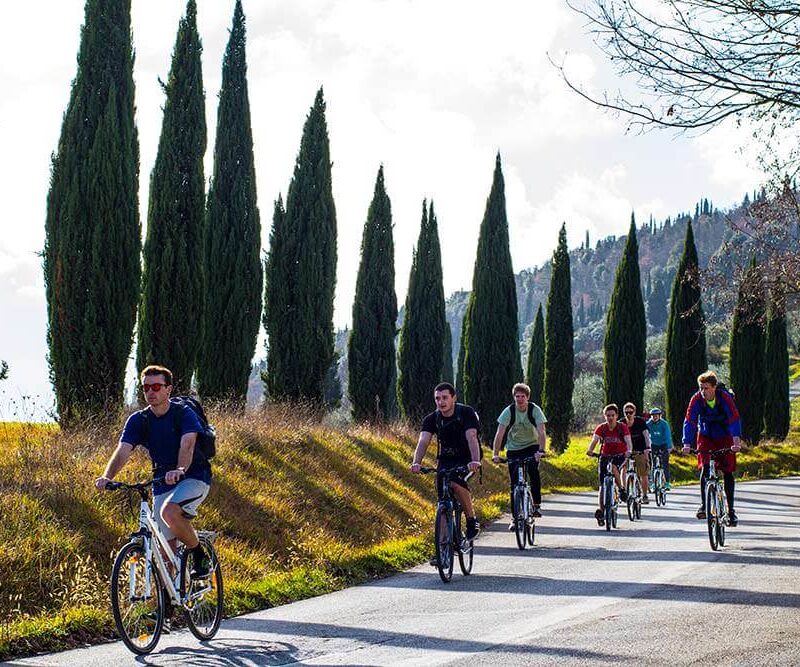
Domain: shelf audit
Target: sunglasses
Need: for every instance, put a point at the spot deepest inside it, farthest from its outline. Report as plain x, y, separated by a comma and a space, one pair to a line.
154, 386
628, 412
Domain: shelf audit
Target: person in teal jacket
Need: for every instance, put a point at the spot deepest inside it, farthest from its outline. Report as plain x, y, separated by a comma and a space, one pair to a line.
660, 440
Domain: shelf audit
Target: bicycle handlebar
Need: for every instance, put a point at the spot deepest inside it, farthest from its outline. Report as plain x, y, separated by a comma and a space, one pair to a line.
714, 453
139, 486
506, 461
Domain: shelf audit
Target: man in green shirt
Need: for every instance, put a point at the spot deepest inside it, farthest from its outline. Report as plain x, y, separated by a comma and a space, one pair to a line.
523, 433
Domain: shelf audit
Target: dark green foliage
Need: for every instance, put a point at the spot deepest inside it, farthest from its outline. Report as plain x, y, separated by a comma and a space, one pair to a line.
3, 370
92, 230
370, 350
657, 305
535, 366
423, 352
447, 354
747, 375
491, 348
174, 251
332, 388
686, 337
776, 363
462, 352
625, 343
301, 271
233, 298
559, 360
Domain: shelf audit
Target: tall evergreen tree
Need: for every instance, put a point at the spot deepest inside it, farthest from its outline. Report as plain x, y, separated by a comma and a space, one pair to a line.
233, 247
462, 351
424, 348
559, 358
657, 305
491, 348
625, 343
776, 363
747, 345
371, 355
301, 271
92, 229
174, 252
535, 368
686, 337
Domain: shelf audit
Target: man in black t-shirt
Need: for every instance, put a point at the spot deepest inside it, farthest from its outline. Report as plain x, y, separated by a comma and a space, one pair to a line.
640, 439
456, 428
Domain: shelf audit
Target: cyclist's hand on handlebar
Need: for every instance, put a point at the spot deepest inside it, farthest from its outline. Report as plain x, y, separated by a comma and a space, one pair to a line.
496, 459
100, 483
174, 476
474, 465
415, 467
686, 449
736, 447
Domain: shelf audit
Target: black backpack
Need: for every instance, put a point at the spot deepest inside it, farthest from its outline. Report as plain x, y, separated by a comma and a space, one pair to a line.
513, 409
458, 414
206, 442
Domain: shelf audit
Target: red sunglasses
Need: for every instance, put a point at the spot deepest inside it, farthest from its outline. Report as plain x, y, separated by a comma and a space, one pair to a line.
154, 386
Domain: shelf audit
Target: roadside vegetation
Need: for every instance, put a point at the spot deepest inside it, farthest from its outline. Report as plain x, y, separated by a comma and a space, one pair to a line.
301, 509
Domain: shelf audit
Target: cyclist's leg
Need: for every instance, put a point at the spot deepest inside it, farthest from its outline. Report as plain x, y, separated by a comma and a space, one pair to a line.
464, 497
181, 507
729, 487
512, 477
703, 480
665, 465
601, 473
536, 481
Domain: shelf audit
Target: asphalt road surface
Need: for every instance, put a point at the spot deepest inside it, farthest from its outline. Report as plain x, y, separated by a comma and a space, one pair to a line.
650, 592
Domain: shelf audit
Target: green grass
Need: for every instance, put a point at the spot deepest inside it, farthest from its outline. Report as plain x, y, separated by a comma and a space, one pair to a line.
301, 509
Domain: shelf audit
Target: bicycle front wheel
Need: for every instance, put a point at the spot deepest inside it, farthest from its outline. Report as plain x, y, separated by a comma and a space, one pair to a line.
465, 548
608, 501
136, 599
202, 598
631, 502
722, 503
443, 537
519, 517
712, 515
531, 522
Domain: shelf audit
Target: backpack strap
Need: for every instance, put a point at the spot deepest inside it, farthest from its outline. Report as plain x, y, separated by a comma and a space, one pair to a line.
145, 412
531, 418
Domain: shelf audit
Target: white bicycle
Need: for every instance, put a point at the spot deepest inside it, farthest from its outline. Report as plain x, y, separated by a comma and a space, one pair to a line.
147, 572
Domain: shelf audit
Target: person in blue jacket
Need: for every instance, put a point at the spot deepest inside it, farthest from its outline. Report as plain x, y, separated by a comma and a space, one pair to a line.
660, 440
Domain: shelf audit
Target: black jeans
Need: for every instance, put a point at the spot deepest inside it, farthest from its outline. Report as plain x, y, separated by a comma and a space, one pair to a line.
513, 455
729, 486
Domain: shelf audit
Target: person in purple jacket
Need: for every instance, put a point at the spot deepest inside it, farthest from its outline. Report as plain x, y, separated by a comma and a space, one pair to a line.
712, 421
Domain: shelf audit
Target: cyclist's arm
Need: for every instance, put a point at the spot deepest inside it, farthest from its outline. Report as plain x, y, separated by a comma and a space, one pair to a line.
540, 431
593, 443
117, 461
647, 441
629, 444
474, 446
422, 447
498, 439
185, 455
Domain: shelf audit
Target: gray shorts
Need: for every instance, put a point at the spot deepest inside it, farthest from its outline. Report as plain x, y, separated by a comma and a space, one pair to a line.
188, 493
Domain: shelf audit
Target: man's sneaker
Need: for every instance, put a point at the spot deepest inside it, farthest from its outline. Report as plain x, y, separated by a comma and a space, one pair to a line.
733, 520
473, 528
201, 567
668, 487
645, 500
623, 495
598, 514
701, 513
512, 526
536, 513
434, 561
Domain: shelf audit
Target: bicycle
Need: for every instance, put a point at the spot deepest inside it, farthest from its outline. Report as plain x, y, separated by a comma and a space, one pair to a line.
659, 479
449, 534
522, 508
716, 501
610, 495
146, 571
633, 488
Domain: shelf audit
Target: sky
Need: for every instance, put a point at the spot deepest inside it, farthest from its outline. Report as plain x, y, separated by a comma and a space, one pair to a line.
431, 89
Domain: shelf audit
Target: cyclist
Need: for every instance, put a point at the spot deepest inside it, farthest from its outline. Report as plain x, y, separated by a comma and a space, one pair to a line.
615, 445
660, 441
169, 439
523, 438
640, 439
712, 420
456, 428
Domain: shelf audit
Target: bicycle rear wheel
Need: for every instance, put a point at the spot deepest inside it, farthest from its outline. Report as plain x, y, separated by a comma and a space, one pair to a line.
203, 609
712, 515
722, 503
443, 537
658, 483
519, 517
630, 489
465, 547
608, 501
530, 523
637, 505
137, 605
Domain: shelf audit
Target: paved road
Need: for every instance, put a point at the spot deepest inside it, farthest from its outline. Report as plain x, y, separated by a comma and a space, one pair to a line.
649, 593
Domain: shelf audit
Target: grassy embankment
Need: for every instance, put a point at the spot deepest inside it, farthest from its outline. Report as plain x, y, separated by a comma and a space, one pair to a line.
301, 510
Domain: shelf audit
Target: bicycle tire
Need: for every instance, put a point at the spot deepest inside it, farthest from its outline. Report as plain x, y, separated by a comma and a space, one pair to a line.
443, 539
464, 555
141, 629
712, 517
631, 501
637, 505
203, 619
723, 503
608, 501
519, 518
531, 523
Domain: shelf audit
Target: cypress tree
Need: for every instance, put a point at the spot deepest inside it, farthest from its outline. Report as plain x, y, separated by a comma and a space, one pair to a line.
423, 352
371, 355
559, 359
491, 348
462, 350
174, 251
657, 305
535, 374
92, 228
625, 342
686, 337
233, 246
302, 271
776, 364
747, 354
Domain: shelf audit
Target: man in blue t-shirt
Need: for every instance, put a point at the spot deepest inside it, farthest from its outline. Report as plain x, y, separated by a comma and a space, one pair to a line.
169, 439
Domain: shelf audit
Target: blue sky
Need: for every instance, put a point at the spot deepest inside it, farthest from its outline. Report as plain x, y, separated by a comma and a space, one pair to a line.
432, 90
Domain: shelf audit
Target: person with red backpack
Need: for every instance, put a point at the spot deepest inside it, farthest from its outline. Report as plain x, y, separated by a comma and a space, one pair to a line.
169, 429
712, 420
